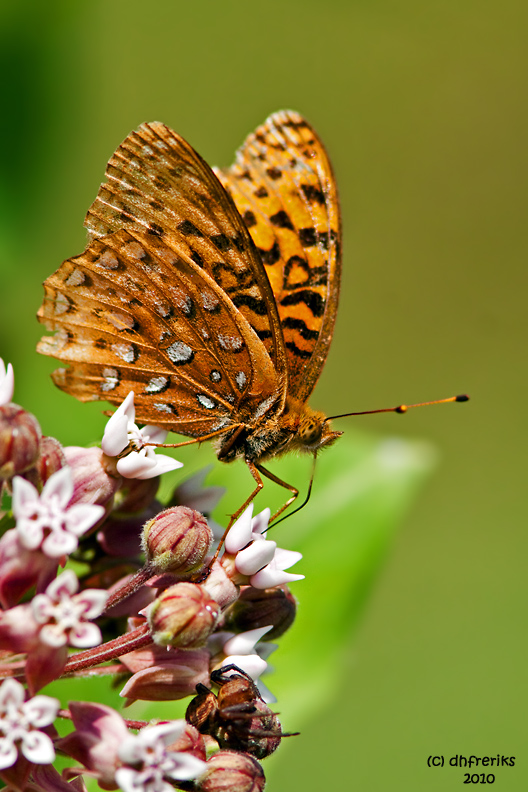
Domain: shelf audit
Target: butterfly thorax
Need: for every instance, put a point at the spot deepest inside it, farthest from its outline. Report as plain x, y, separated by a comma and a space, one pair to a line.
297, 428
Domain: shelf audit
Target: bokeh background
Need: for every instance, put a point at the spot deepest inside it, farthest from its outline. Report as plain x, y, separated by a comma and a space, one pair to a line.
422, 107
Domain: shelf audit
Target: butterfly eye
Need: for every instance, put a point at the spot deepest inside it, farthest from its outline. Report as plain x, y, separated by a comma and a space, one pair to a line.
310, 432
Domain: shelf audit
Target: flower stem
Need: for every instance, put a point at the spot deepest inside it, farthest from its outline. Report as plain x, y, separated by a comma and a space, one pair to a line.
131, 586
136, 639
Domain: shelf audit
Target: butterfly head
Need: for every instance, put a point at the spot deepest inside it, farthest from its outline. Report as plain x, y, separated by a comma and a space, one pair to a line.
314, 431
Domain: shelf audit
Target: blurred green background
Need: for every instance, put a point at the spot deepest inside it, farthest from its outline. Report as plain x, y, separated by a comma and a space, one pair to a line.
422, 107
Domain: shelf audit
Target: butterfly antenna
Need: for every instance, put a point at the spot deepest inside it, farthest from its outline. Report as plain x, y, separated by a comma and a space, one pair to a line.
303, 504
402, 408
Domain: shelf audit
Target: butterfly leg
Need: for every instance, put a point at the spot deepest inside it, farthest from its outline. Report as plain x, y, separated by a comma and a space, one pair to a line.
256, 475
255, 469
200, 439
272, 477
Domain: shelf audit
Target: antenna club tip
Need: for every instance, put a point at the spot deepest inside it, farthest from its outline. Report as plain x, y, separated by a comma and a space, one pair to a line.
462, 398
401, 409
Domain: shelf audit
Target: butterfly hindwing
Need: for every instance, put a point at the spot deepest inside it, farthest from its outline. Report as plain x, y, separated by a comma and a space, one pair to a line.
283, 186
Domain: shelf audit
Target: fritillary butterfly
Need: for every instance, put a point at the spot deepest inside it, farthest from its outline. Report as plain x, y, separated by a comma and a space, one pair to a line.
211, 295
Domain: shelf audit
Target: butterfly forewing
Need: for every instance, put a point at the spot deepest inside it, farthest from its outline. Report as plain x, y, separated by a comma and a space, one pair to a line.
157, 184
283, 186
131, 314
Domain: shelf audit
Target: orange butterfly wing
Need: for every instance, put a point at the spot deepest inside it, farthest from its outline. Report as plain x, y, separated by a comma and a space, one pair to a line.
283, 186
131, 314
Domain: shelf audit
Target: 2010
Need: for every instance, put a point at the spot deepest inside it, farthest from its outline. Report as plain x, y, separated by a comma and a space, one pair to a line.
475, 778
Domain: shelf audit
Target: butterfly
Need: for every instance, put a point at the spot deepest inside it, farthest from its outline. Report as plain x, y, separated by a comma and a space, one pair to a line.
210, 294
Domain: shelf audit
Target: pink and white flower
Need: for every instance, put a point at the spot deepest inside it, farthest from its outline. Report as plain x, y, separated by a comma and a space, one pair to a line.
45, 521
121, 433
7, 383
148, 763
257, 557
20, 723
66, 616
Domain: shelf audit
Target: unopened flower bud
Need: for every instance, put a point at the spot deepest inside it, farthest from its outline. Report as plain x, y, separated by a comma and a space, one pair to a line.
233, 771
20, 437
261, 607
21, 569
177, 540
183, 615
93, 481
51, 459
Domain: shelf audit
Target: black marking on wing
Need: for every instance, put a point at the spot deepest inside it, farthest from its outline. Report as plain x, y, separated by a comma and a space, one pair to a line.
300, 325
312, 299
256, 305
296, 351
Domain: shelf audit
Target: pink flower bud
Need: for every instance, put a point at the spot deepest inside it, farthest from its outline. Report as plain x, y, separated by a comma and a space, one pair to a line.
93, 480
20, 437
177, 540
233, 771
20, 569
183, 615
51, 459
260, 608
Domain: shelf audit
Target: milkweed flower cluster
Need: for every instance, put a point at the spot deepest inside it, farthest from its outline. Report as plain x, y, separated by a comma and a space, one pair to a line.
154, 606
